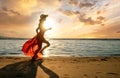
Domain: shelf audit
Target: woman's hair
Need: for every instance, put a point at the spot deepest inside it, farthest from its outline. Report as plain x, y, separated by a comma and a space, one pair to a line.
43, 16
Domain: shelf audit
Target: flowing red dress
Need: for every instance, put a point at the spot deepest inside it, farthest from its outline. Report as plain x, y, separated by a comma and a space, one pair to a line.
30, 47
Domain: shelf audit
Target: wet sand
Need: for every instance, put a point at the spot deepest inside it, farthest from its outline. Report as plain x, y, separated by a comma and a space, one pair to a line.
60, 67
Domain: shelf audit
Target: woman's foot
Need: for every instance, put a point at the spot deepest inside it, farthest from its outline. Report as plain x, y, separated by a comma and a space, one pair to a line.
33, 58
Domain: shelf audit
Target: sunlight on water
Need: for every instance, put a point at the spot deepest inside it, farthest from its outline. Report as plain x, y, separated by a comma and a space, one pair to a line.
46, 53
80, 48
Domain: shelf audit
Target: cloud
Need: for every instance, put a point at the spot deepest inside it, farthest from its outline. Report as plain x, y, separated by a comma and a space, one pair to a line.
100, 18
118, 31
17, 12
27, 7
23, 7
107, 4
110, 31
47, 6
80, 3
6, 19
98, 12
23, 15
90, 21
83, 17
6, 10
60, 20
22, 12
86, 21
67, 12
87, 3
74, 2
82, 10
89, 14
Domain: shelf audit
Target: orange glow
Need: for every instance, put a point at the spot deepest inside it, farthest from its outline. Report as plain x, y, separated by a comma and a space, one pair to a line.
89, 37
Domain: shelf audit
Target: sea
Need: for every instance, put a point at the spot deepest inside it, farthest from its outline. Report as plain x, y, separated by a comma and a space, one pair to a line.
66, 47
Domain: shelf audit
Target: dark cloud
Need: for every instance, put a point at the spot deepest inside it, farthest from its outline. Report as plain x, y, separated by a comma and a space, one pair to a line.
87, 3
82, 3
73, 2
60, 0
87, 21
76, 12
69, 12
98, 12
6, 19
66, 12
90, 21
107, 4
118, 31
10, 11
102, 24
100, 18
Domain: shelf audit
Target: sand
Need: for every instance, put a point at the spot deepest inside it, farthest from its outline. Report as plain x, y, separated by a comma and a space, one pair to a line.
60, 67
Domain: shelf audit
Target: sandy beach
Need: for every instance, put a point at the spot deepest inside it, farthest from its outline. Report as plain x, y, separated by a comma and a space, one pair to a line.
60, 67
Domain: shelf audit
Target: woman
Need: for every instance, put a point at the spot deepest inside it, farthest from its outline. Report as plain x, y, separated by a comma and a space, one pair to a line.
33, 47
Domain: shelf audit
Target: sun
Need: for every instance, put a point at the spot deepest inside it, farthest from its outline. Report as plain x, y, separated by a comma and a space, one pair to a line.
49, 23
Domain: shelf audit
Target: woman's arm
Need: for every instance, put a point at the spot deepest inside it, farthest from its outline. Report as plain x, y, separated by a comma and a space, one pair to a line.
48, 29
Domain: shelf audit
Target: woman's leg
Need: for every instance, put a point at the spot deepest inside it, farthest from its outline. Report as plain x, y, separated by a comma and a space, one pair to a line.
47, 45
38, 50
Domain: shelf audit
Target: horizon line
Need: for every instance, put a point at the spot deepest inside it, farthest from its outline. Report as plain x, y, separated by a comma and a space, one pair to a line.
6, 38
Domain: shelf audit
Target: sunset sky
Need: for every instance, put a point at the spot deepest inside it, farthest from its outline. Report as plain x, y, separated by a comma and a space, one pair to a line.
69, 18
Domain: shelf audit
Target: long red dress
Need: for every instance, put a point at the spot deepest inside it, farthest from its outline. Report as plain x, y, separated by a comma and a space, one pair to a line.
29, 48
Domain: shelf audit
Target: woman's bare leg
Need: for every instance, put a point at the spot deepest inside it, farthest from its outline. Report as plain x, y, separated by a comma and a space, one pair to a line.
35, 55
48, 44
38, 50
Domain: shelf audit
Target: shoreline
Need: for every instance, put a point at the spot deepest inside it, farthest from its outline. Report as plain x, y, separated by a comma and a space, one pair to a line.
47, 56
60, 67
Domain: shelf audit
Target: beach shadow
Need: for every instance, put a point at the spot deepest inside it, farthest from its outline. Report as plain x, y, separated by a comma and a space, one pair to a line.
49, 72
25, 69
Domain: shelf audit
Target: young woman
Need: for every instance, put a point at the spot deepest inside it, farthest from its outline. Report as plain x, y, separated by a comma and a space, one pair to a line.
33, 47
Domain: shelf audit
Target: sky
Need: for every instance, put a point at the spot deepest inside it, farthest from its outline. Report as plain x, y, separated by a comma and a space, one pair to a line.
68, 18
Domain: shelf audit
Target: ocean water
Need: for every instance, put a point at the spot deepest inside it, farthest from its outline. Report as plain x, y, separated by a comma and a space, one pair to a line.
64, 47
